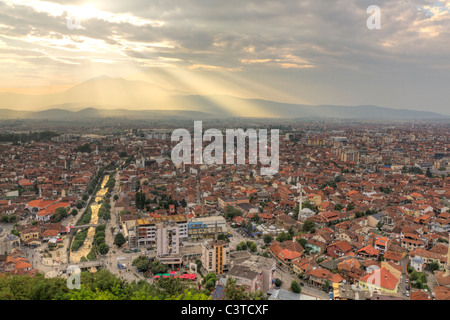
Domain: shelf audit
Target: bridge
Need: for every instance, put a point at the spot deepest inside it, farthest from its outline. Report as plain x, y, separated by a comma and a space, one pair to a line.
83, 265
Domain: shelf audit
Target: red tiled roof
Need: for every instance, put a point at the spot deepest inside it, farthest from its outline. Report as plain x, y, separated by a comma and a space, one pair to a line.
381, 278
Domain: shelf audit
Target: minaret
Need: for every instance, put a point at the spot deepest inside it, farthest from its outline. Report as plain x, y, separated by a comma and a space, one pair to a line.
447, 270
300, 200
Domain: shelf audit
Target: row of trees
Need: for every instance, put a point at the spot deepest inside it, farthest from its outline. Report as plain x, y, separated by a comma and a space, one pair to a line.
86, 217
25, 137
79, 239
250, 245
140, 200
99, 245
101, 285
105, 211
144, 264
8, 218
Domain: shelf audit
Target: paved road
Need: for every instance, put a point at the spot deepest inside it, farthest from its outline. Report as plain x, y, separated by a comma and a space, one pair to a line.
404, 277
286, 277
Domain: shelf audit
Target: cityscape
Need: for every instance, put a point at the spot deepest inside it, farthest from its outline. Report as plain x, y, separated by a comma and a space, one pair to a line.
144, 164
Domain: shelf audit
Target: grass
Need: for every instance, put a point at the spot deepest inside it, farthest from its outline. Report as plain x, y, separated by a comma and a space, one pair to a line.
79, 239
86, 218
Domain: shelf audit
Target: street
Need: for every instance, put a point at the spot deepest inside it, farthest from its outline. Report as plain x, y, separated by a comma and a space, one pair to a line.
286, 277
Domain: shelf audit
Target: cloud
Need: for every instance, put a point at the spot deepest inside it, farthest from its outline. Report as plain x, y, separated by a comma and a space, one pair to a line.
311, 43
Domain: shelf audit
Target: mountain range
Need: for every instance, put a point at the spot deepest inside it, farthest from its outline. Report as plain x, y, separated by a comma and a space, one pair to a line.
106, 97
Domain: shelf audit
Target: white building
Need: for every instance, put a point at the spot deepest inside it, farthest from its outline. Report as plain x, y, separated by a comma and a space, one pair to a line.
167, 239
417, 263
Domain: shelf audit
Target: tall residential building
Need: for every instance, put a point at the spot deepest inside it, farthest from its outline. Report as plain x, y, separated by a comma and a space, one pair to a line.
216, 256
146, 229
167, 239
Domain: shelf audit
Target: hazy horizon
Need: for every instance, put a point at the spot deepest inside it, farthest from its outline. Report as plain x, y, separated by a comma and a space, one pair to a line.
299, 52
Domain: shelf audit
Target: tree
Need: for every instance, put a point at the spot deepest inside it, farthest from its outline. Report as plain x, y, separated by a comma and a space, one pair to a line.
380, 225
142, 263
278, 282
284, 236
350, 206
231, 212
428, 174
268, 239
434, 266
209, 281
84, 148
199, 264
296, 287
74, 212
119, 240
60, 214
15, 232
326, 285
158, 267
302, 242
234, 292
241, 246
252, 247
140, 200
308, 226
103, 248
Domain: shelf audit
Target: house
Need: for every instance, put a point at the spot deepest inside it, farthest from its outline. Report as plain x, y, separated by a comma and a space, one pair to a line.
418, 264
428, 257
50, 235
368, 252
29, 234
286, 251
441, 293
316, 246
319, 276
380, 280
286, 221
394, 257
350, 270
412, 242
382, 244
339, 249
374, 219
302, 265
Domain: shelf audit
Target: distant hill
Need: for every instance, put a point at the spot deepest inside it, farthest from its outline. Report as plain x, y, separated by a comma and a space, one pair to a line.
106, 97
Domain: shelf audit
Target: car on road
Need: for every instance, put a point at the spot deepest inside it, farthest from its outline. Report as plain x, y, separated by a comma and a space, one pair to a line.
406, 280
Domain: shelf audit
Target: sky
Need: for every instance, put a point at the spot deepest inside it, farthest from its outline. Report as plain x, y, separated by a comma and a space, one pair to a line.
307, 52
